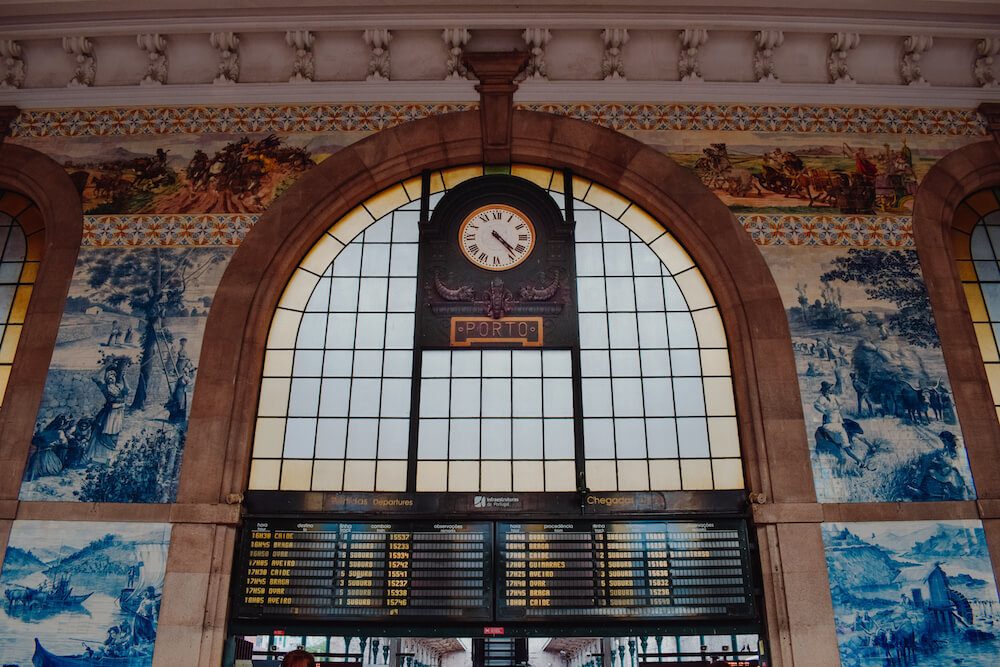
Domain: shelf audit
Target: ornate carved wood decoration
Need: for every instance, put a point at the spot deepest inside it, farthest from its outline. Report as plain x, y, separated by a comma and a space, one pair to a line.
497, 268
496, 73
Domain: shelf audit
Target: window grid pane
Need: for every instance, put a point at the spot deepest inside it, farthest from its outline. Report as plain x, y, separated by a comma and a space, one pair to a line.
658, 410
510, 412
981, 279
18, 269
651, 415
348, 404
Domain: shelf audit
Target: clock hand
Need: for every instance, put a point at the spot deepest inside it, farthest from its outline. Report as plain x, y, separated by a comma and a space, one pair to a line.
510, 249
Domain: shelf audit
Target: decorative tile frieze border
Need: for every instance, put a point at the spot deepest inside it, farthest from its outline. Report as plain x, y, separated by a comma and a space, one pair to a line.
139, 121
106, 231
774, 118
894, 231
228, 229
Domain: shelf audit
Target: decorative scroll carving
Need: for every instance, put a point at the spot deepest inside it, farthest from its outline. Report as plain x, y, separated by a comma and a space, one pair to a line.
836, 62
227, 44
456, 39
378, 64
304, 65
82, 49
10, 51
909, 67
983, 69
496, 300
155, 46
691, 39
763, 57
613, 66
536, 39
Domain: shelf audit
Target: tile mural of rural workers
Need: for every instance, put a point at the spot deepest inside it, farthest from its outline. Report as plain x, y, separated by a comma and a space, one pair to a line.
879, 413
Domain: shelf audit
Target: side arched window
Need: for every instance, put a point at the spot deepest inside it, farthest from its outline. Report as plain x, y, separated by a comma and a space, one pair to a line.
21, 242
978, 255
655, 382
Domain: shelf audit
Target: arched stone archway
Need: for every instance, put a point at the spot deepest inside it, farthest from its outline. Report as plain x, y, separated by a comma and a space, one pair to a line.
224, 406
45, 183
776, 457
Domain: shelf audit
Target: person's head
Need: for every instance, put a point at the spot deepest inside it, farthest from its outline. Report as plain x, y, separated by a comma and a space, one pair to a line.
298, 658
825, 387
111, 375
950, 443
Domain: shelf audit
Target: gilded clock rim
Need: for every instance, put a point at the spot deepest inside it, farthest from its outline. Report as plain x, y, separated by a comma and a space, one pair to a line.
506, 207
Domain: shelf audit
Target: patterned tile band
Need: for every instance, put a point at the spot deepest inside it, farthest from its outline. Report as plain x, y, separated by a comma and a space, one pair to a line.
104, 231
372, 117
854, 231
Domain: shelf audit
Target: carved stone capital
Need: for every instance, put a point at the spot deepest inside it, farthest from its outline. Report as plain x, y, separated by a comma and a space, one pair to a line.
909, 66
304, 65
227, 44
7, 116
836, 62
613, 65
13, 76
455, 40
990, 111
82, 49
536, 39
986, 50
763, 58
496, 73
155, 46
691, 39
378, 64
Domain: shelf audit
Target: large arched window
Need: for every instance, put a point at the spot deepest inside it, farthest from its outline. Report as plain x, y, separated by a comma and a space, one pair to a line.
21, 241
654, 380
978, 256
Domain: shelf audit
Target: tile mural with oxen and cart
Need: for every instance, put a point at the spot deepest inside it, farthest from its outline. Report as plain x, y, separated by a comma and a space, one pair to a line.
113, 416
876, 397
82, 593
913, 593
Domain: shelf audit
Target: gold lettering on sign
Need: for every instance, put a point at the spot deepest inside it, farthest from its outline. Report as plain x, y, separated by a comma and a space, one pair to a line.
474, 331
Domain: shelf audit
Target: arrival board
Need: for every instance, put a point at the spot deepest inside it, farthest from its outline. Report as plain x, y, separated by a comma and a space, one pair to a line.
366, 571
640, 570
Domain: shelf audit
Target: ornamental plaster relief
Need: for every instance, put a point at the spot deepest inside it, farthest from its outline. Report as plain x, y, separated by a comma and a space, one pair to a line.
889, 67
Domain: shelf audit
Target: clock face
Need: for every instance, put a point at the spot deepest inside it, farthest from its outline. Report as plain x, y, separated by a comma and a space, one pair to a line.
496, 237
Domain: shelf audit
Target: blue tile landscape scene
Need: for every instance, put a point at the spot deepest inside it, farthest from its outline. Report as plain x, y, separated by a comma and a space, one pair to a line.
81, 593
876, 397
913, 593
113, 417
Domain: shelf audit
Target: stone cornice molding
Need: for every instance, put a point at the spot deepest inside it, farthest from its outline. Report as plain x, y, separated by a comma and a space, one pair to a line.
531, 91
903, 23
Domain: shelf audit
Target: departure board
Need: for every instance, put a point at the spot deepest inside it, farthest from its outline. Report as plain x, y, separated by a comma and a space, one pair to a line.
640, 569
366, 571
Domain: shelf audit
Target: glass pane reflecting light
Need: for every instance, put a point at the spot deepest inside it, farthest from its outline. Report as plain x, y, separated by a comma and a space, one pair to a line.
655, 387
